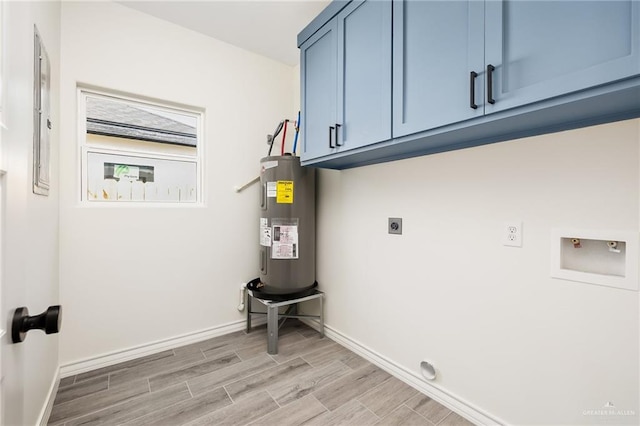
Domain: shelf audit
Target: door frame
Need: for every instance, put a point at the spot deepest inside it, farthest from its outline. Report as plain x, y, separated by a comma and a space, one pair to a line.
2, 195
2, 242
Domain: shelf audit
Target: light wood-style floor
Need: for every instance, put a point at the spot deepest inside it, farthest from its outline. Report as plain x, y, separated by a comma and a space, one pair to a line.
230, 380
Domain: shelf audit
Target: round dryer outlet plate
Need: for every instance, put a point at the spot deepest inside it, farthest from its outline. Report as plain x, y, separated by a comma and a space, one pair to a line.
395, 225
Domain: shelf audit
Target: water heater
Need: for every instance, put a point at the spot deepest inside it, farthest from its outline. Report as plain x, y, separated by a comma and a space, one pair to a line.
287, 227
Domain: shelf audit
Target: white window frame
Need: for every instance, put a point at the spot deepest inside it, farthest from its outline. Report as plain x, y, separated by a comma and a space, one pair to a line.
85, 148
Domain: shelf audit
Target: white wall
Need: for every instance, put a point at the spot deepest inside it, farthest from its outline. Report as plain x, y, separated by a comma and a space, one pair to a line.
503, 335
131, 276
30, 222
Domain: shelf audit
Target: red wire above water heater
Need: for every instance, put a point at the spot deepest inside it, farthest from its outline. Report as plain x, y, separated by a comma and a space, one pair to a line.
284, 135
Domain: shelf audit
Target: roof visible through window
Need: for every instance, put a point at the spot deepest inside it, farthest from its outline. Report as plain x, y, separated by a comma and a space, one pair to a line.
135, 121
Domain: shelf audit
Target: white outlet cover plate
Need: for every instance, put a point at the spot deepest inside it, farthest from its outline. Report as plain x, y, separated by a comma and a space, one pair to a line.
512, 233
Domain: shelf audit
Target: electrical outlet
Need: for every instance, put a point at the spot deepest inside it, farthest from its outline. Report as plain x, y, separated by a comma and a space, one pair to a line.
395, 225
512, 234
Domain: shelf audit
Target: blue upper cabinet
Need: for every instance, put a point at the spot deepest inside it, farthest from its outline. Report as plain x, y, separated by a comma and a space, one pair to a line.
346, 80
456, 60
364, 77
390, 79
438, 63
319, 73
543, 49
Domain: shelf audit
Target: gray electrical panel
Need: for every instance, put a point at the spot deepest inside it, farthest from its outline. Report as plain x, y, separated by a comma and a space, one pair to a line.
287, 226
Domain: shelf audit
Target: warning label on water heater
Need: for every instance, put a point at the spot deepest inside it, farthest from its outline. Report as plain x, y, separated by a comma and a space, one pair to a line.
284, 240
271, 189
284, 192
265, 232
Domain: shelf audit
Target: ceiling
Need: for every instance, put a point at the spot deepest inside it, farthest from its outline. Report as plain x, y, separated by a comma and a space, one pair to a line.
265, 27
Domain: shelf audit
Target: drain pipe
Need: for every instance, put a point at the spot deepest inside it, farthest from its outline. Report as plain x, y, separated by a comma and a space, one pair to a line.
243, 288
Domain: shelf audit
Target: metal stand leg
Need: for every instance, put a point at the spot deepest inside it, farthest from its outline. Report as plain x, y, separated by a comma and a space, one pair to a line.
248, 312
272, 330
322, 316
273, 316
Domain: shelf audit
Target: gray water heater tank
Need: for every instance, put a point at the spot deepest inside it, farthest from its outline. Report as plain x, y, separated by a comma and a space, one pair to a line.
287, 226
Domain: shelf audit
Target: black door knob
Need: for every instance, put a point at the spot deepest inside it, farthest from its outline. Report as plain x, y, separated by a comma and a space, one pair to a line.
49, 321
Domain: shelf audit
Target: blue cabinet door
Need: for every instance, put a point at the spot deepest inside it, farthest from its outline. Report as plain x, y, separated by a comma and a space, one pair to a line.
318, 72
364, 77
437, 45
543, 49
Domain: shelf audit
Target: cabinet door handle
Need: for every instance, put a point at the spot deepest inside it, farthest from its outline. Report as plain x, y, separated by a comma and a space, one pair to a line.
337, 139
472, 89
490, 69
331, 130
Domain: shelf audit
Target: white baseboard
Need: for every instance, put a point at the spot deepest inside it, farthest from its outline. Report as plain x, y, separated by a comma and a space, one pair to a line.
449, 400
116, 357
45, 413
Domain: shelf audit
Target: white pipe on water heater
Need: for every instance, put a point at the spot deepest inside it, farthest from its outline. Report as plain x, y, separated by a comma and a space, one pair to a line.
243, 287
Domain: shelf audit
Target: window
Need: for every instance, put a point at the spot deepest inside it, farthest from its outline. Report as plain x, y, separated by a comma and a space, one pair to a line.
138, 151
